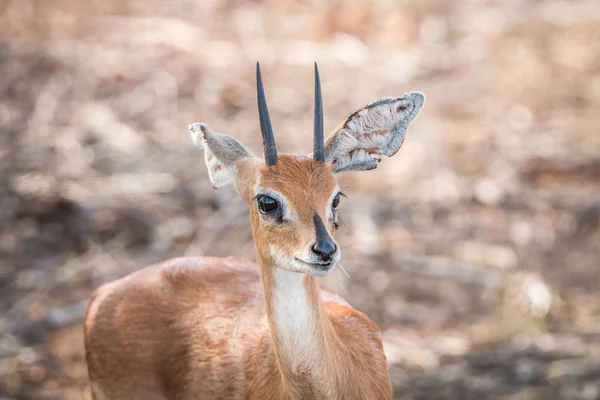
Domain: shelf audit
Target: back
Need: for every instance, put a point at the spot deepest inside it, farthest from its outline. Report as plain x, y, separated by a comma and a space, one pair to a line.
185, 324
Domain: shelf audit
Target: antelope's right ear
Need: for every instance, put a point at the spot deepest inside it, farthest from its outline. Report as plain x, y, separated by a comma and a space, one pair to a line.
221, 152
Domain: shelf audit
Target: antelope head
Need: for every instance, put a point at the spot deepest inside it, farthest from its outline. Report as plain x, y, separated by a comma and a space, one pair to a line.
293, 199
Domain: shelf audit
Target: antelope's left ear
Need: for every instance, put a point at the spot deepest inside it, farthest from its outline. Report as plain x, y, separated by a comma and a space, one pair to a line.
379, 128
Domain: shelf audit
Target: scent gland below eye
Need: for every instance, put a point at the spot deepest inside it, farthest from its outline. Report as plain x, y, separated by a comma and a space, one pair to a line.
267, 204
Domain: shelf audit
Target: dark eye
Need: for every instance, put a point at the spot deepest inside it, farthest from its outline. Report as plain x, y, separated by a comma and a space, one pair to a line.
266, 204
336, 201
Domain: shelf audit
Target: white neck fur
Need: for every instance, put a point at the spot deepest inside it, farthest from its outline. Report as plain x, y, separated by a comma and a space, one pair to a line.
294, 318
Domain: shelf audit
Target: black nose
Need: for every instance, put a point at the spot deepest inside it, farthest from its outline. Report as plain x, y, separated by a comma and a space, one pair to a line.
324, 249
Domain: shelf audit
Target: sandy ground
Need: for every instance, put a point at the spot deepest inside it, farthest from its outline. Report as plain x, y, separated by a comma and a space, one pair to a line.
476, 248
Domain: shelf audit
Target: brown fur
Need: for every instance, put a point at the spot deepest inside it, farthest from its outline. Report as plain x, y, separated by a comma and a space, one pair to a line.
307, 185
203, 328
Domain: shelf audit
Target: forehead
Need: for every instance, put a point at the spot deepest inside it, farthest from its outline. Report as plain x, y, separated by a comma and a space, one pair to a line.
300, 179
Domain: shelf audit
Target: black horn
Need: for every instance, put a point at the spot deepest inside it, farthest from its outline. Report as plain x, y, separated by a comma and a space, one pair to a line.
318, 153
265, 121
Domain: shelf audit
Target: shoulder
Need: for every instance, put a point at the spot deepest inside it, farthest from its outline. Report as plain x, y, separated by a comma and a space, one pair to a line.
342, 314
362, 339
353, 326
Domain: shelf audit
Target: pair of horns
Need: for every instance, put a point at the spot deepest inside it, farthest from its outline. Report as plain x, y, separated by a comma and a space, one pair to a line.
267, 129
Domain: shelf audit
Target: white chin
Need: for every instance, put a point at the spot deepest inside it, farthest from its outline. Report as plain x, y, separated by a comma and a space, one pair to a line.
321, 270
308, 269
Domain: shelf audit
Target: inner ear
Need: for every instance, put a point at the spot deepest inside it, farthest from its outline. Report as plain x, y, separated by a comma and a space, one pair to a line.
377, 129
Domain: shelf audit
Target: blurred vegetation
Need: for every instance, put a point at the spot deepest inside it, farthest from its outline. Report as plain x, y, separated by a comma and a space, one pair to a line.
476, 249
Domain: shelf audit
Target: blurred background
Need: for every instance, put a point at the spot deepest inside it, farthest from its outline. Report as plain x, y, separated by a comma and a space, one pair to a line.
476, 248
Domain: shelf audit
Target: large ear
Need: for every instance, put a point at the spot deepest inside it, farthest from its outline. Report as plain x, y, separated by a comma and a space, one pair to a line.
221, 152
379, 128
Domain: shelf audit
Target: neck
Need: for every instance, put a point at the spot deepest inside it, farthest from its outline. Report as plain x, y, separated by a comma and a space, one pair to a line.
301, 331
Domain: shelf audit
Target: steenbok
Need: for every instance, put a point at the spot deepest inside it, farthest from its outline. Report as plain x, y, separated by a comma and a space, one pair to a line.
225, 328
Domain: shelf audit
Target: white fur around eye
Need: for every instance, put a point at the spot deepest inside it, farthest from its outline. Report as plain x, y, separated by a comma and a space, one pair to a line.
330, 211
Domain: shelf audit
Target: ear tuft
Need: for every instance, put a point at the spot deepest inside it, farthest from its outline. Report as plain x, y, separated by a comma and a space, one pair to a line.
221, 152
197, 130
379, 128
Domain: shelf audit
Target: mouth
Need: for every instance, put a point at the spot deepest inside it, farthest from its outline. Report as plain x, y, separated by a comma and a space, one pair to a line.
318, 268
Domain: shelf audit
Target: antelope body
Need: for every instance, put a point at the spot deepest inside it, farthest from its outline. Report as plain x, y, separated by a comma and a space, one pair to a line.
224, 328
